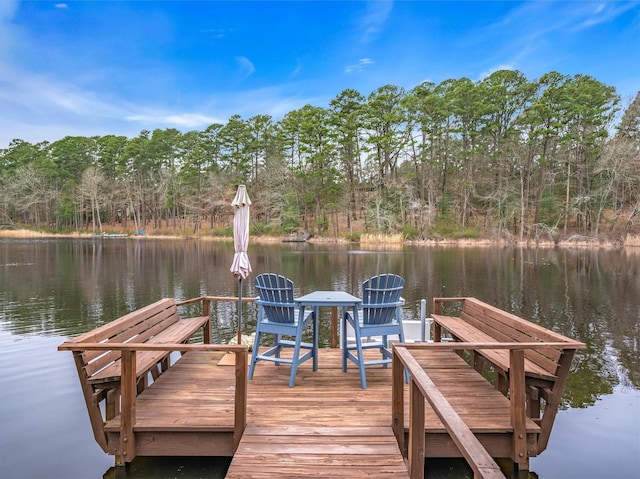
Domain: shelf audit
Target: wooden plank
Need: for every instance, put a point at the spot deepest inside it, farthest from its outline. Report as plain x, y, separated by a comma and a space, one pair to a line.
274, 452
143, 329
506, 327
108, 330
123, 328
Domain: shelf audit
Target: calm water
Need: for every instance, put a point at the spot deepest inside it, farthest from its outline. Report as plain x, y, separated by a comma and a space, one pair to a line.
54, 289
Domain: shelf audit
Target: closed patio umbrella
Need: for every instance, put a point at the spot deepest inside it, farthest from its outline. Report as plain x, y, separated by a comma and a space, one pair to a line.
241, 267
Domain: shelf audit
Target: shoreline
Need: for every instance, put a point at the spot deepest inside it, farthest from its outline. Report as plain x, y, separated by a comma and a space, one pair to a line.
575, 241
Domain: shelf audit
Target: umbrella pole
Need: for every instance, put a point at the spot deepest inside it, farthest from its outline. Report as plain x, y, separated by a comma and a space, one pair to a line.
240, 310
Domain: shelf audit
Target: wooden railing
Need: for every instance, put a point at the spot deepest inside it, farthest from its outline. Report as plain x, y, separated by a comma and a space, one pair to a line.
206, 306
129, 389
422, 387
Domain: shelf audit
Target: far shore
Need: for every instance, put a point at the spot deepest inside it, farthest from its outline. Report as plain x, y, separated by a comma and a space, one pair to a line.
386, 241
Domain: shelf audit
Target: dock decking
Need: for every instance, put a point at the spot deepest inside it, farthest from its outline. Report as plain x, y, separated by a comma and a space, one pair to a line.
326, 426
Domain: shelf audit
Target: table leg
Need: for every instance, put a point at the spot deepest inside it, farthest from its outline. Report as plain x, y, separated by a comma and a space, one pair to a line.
334, 327
316, 333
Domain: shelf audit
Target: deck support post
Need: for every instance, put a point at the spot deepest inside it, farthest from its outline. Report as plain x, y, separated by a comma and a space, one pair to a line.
127, 447
533, 403
501, 382
518, 408
112, 408
553, 401
95, 416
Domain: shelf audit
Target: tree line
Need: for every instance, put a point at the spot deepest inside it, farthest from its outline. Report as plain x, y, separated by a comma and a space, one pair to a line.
503, 157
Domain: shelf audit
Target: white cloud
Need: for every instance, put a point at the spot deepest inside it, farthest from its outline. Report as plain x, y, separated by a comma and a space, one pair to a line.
180, 120
360, 66
36, 108
296, 71
246, 67
371, 23
216, 32
497, 68
62, 5
8, 33
592, 14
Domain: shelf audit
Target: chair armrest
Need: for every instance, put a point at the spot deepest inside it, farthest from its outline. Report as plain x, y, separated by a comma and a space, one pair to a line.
394, 304
261, 302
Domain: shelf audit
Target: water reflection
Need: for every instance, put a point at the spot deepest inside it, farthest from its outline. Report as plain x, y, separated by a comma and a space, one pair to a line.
170, 468
51, 289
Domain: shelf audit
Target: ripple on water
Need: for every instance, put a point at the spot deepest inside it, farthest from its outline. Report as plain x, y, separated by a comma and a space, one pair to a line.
45, 427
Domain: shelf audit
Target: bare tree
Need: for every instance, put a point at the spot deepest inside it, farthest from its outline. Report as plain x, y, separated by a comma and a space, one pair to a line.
89, 188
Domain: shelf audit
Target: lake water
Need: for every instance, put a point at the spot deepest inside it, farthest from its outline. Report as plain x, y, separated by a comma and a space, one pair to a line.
51, 290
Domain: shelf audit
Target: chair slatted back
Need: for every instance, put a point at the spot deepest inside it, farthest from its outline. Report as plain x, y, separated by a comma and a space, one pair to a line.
275, 293
380, 297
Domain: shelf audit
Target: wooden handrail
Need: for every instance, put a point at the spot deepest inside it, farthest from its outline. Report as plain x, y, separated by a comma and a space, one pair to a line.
421, 388
229, 348
249, 299
425, 389
460, 345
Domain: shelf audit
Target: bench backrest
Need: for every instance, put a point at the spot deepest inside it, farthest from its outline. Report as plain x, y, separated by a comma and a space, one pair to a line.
138, 326
504, 326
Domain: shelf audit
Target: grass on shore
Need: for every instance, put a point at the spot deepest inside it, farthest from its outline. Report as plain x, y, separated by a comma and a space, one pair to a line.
631, 241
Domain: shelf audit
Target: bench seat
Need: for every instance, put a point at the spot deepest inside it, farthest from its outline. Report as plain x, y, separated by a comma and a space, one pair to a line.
463, 331
156, 323
178, 332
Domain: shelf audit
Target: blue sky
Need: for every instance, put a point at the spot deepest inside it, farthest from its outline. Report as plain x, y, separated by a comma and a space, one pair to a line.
117, 67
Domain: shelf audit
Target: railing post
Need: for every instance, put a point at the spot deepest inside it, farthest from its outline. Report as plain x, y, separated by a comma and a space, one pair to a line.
416, 431
240, 411
518, 407
397, 400
128, 414
437, 329
206, 311
334, 327
423, 321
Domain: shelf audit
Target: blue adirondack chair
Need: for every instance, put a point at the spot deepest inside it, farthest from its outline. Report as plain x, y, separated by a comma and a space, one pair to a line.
379, 315
278, 315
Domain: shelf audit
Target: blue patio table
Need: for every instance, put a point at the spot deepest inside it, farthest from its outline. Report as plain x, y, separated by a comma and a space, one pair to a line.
335, 299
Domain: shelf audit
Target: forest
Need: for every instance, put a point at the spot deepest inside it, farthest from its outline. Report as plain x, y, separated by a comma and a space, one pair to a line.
504, 157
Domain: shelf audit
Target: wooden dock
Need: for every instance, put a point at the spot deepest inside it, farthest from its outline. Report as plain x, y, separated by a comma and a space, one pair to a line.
200, 403
325, 426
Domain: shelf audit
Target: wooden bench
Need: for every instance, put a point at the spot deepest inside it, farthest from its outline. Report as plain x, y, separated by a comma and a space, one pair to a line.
546, 368
100, 371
